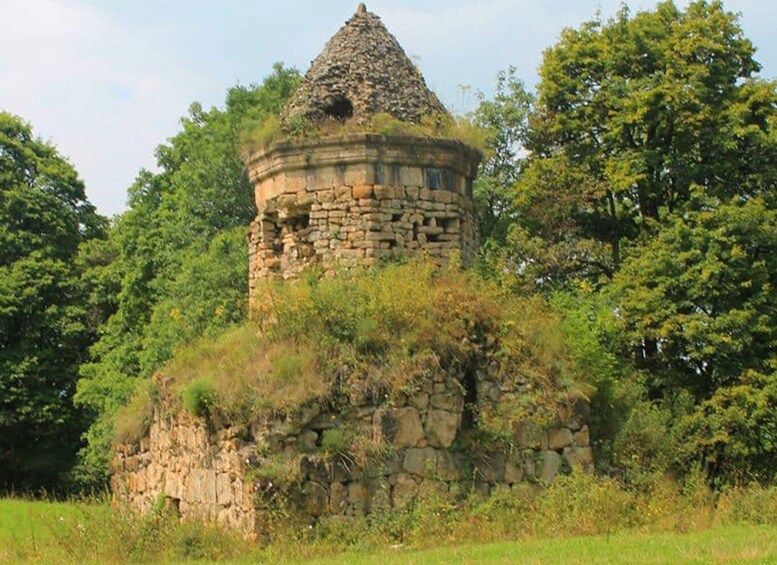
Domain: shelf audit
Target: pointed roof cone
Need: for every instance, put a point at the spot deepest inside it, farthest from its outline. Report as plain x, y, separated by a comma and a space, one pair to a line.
362, 71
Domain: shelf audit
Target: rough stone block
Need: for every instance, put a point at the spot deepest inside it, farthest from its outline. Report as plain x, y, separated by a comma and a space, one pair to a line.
404, 491
358, 498
514, 472
409, 429
421, 462
559, 438
384, 192
582, 437
338, 496
581, 458
441, 427
411, 176
362, 191
551, 464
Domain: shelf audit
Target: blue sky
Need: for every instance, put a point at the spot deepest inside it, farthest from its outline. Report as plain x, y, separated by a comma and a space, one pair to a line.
108, 81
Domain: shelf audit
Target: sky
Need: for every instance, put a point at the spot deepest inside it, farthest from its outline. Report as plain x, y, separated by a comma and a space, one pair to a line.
107, 81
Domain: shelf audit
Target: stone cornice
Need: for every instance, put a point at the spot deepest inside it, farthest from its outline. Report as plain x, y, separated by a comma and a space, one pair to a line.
363, 148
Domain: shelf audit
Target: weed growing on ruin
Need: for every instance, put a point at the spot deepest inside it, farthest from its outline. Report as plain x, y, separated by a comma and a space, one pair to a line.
260, 136
134, 419
374, 334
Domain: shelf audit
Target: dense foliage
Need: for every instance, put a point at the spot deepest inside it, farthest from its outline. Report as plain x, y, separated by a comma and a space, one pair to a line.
650, 185
181, 255
631, 203
47, 320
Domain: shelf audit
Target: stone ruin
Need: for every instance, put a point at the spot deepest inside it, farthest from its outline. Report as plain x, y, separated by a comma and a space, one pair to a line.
353, 200
430, 448
359, 198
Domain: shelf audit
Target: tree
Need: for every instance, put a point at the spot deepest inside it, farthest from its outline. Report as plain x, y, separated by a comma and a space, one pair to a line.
698, 300
634, 115
504, 120
651, 178
45, 328
181, 257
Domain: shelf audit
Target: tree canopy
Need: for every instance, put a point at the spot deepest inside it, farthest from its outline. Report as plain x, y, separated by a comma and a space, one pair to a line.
46, 323
634, 116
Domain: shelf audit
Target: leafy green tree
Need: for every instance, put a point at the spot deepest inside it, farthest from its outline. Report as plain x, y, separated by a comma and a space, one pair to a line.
504, 118
181, 258
632, 116
699, 300
45, 327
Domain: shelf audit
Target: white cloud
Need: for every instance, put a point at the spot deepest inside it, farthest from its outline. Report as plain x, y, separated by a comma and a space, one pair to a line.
99, 89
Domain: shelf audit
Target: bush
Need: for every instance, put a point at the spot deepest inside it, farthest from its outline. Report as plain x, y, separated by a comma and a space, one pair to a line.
645, 446
199, 397
733, 435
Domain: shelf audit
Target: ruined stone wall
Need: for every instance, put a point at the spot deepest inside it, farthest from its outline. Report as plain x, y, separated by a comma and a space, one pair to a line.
183, 463
356, 199
426, 443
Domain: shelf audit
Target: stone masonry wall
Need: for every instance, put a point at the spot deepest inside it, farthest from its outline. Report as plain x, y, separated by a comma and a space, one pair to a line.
357, 199
183, 463
426, 440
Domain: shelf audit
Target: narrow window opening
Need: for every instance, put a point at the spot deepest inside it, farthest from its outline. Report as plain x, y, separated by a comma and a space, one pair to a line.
434, 178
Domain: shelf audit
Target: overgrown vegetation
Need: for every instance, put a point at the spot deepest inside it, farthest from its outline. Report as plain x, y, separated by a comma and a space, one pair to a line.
575, 505
372, 334
260, 135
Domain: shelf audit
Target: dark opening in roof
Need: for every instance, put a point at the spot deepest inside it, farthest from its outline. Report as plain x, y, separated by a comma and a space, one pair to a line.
339, 108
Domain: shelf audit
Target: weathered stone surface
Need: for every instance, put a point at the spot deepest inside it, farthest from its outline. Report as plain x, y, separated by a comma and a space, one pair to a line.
580, 457
551, 465
559, 438
362, 72
307, 441
316, 499
404, 491
338, 498
582, 437
531, 435
514, 472
410, 432
421, 462
358, 498
441, 427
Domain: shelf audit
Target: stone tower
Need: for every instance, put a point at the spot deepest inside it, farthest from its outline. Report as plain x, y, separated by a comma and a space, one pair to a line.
354, 199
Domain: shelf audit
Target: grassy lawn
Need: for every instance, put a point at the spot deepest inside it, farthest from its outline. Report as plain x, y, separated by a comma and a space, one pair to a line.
39, 531
732, 544
25, 523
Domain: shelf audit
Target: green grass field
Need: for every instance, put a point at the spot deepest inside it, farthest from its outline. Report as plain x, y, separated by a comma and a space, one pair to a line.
33, 531
733, 544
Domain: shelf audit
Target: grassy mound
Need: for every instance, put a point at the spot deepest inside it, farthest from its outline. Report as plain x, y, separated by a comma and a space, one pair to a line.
371, 334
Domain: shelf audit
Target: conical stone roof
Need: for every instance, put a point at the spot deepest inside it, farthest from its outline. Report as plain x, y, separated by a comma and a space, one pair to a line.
362, 71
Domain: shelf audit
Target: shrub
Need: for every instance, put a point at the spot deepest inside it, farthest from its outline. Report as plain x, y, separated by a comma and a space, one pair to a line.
645, 447
335, 440
733, 434
199, 397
